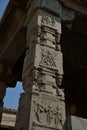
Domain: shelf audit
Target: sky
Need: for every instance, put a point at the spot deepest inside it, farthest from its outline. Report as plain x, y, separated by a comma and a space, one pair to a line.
3, 4
12, 94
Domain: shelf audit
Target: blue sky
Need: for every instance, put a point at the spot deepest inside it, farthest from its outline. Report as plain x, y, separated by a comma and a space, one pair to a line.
3, 4
12, 94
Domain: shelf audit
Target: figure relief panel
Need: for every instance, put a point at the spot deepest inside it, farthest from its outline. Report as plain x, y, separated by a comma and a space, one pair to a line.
47, 113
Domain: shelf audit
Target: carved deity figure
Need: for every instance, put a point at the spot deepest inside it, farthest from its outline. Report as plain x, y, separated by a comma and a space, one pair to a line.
58, 116
39, 109
49, 114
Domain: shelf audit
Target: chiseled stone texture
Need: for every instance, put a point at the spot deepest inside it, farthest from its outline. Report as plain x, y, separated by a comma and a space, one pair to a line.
78, 123
75, 123
44, 108
8, 117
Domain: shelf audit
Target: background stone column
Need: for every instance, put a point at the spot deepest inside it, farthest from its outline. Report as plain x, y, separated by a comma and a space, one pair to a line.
2, 94
42, 105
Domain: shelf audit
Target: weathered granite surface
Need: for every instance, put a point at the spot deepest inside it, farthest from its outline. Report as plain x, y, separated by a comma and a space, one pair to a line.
8, 118
42, 105
75, 123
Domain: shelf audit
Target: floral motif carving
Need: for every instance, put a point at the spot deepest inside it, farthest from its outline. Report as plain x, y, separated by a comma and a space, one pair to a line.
48, 20
48, 59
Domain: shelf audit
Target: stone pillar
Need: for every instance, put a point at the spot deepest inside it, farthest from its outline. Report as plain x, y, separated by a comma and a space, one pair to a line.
41, 106
2, 94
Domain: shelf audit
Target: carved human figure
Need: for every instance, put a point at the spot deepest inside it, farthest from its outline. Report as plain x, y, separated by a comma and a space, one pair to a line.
35, 77
57, 39
58, 116
36, 35
49, 114
38, 110
58, 79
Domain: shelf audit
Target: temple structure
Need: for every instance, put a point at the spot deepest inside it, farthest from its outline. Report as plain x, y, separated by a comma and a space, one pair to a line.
43, 43
8, 119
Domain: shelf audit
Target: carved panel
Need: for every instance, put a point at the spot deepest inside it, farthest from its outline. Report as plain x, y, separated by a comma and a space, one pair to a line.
48, 38
44, 18
8, 119
51, 59
48, 20
44, 36
48, 59
47, 112
51, 115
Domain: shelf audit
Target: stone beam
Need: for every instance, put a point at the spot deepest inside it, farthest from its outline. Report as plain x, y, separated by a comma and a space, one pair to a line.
12, 33
6, 75
76, 5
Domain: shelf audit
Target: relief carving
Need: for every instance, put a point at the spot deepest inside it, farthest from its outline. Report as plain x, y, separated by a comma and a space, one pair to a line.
48, 20
48, 59
58, 116
39, 108
9, 118
36, 32
48, 114
58, 80
57, 40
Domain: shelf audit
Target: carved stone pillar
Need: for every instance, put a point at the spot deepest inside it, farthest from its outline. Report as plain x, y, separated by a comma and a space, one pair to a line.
2, 94
42, 105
